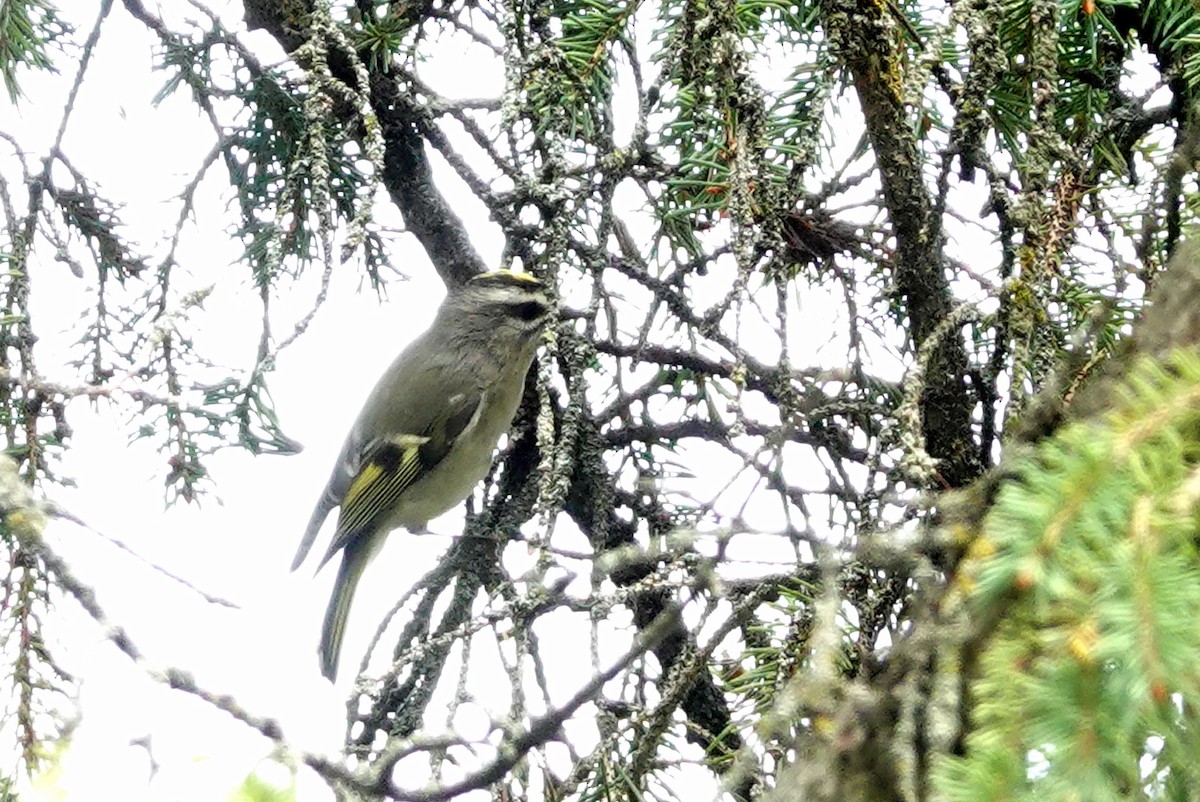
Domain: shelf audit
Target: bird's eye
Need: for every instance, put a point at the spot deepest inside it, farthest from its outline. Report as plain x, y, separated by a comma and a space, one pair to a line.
529, 310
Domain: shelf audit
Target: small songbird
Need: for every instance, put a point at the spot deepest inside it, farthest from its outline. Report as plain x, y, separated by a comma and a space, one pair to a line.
426, 434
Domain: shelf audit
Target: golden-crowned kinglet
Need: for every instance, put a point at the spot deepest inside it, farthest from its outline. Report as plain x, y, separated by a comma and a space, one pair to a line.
426, 435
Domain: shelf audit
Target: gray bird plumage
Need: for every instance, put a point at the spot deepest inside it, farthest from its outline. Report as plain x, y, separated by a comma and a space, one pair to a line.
426, 434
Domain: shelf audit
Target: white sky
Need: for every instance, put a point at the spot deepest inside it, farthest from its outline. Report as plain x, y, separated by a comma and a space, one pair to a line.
239, 541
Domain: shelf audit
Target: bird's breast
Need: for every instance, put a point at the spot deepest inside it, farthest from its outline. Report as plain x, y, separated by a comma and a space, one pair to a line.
467, 462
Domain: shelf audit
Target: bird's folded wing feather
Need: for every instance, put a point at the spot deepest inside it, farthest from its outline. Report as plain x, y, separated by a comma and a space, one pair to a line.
346, 469
391, 465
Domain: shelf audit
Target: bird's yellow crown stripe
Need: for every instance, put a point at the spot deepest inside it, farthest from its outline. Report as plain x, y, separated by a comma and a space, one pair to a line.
508, 275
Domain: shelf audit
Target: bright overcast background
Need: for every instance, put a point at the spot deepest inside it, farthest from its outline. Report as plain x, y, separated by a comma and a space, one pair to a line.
238, 541
136, 739
159, 573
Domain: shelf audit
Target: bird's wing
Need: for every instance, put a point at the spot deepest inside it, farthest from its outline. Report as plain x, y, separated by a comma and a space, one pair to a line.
390, 465
344, 471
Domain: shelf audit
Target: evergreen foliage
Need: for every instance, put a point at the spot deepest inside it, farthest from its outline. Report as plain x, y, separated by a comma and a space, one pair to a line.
1091, 682
963, 205
27, 30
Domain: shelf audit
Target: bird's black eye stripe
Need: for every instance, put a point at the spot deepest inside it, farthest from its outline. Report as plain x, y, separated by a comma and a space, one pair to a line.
527, 310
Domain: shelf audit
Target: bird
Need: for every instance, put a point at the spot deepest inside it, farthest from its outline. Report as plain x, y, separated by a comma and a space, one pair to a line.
426, 434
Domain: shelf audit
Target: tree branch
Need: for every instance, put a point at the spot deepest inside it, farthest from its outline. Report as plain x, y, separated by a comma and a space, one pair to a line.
861, 35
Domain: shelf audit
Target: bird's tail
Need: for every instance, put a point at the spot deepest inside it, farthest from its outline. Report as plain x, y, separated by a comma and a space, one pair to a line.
355, 557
